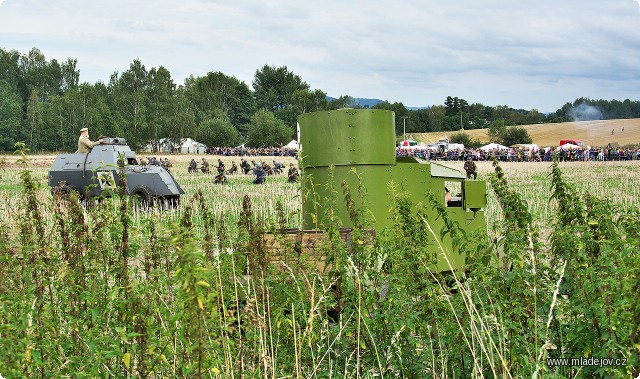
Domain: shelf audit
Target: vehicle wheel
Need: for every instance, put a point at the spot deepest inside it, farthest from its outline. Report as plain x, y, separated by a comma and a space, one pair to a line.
143, 198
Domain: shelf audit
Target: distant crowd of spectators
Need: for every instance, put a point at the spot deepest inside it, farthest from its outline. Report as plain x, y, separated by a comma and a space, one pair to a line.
252, 152
513, 154
526, 155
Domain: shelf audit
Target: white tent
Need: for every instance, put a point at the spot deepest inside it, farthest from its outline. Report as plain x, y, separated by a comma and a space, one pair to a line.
569, 146
183, 145
190, 146
455, 146
445, 146
417, 147
530, 146
493, 146
292, 145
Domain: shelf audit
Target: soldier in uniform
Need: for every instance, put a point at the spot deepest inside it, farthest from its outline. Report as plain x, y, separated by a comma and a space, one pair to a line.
293, 173
260, 174
205, 166
470, 168
246, 167
193, 166
267, 168
220, 178
164, 162
233, 169
277, 167
84, 143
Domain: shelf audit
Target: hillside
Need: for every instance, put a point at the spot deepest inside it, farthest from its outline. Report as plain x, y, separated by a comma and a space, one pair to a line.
594, 133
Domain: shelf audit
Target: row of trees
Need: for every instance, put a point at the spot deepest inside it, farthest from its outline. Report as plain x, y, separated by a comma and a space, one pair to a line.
457, 114
507, 136
43, 103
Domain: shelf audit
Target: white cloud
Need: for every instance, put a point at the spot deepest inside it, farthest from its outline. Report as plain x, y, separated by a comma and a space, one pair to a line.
526, 54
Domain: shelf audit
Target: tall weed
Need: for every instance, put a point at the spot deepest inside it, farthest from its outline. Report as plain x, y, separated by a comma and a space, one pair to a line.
107, 291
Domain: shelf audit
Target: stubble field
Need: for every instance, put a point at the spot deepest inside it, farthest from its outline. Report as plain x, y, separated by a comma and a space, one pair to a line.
617, 181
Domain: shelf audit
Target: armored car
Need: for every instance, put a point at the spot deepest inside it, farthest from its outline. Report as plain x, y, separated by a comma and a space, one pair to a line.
98, 172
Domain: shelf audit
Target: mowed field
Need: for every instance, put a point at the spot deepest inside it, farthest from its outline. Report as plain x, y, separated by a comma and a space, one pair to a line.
593, 133
220, 199
616, 181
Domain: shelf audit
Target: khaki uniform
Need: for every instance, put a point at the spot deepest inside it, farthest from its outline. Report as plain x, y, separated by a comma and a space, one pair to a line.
471, 169
293, 174
85, 144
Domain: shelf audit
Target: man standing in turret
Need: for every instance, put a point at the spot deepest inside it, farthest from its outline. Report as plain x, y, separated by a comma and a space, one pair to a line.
84, 143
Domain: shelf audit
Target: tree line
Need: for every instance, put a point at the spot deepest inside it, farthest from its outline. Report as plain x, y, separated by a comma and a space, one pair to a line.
44, 104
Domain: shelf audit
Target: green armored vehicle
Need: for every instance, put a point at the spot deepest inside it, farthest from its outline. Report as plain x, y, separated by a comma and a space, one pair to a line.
357, 146
97, 173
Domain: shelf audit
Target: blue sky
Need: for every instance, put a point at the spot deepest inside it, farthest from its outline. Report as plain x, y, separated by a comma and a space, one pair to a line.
525, 54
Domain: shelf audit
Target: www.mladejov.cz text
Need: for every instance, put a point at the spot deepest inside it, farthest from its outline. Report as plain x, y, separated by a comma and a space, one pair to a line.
586, 361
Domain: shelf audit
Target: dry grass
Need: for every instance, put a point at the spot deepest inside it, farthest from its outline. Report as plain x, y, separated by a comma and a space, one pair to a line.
611, 180
179, 160
594, 133
225, 199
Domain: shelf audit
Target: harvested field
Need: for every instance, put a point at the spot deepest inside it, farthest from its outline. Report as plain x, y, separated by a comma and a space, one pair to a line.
594, 133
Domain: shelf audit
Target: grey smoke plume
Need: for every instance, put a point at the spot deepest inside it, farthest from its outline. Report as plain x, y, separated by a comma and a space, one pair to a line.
585, 112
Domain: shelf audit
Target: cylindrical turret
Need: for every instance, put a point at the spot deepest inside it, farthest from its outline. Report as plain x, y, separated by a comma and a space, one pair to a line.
333, 144
347, 137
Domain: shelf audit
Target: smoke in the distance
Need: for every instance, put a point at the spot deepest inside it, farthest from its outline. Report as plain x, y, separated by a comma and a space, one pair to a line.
585, 112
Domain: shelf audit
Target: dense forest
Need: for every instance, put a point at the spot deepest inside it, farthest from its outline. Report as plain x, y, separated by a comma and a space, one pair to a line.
44, 103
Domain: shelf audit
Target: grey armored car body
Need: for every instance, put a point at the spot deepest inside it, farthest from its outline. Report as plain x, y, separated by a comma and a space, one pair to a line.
97, 173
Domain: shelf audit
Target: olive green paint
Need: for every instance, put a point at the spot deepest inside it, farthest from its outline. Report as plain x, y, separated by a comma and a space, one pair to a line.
357, 147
